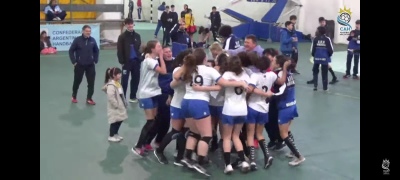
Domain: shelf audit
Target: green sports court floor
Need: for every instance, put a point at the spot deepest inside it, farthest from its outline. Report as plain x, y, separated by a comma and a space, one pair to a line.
74, 146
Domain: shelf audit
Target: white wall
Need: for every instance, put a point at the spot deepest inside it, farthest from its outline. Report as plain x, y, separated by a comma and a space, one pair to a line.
109, 31
313, 9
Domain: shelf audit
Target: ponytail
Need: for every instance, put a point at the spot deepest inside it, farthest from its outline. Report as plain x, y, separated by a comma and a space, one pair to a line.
108, 77
190, 67
111, 73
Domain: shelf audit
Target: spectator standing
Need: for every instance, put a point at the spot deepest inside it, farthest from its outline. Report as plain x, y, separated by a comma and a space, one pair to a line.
167, 20
215, 18
175, 19
53, 12
84, 54
128, 46
185, 10
160, 11
295, 52
287, 39
139, 9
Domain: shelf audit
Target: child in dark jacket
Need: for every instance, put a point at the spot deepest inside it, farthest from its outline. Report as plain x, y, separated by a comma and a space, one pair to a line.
353, 50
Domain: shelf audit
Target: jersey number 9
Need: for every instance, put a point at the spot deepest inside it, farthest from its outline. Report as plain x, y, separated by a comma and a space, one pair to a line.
198, 79
265, 88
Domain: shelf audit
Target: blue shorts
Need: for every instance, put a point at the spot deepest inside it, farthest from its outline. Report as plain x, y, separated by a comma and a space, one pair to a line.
287, 114
196, 109
176, 113
232, 120
148, 103
216, 111
255, 117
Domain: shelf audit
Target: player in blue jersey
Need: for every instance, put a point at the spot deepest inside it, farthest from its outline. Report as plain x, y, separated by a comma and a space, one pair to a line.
287, 110
321, 50
177, 120
229, 40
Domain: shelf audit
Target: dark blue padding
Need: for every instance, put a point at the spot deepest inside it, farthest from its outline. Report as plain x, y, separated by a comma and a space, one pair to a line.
240, 17
241, 30
275, 12
261, 30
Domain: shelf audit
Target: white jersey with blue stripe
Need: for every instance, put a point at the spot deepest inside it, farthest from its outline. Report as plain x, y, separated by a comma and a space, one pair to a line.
148, 83
286, 94
235, 97
179, 92
206, 76
264, 82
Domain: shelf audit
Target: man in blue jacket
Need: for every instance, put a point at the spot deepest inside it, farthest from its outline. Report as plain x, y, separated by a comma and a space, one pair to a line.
288, 39
180, 38
321, 50
295, 53
353, 49
84, 54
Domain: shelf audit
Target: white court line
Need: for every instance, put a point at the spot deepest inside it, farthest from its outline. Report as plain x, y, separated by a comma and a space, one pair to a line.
331, 93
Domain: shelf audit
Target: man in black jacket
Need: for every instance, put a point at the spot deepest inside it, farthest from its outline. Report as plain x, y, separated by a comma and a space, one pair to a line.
215, 18
84, 54
168, 21
128, 46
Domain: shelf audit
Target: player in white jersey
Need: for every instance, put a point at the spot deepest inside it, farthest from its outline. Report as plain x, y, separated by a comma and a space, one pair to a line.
234, 114
258, 107
149, 89
195, 104
177, 119
217, 102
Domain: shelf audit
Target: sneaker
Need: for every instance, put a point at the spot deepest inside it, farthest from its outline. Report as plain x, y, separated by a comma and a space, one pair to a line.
268, 162
73, 100
245, 167
228, 169
160, 157
310, 82
290, 155
90, 102
55, 19
201, 170
114, 139
297, 161
253, 166
334, 81
279, 146
346, 76
256, 143
271, 145
178, 162
58, 19
187, 162
315, 89
119, 137
326, 90
356, 77
236, 164
148, 147
138, 151
133, 100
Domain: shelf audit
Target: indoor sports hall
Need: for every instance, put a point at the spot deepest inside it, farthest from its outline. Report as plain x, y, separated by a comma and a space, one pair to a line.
73, 137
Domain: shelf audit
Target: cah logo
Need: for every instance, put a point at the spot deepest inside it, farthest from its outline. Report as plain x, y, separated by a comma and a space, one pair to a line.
343, 19
385, 166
